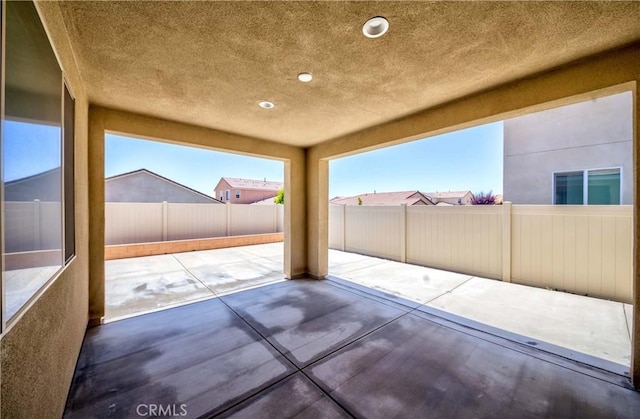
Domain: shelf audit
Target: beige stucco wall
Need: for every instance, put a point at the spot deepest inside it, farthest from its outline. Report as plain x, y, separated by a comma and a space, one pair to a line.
317, 187
248, 196
588, 135
39, 350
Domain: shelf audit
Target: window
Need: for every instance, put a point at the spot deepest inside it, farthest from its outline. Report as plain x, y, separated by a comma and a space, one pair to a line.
237, 194
221, 197
68, 129
591, 187
604, 187
227, 195
569, 188
37, 160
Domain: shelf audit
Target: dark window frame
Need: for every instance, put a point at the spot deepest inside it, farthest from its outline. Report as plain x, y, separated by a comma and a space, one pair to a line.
68, 173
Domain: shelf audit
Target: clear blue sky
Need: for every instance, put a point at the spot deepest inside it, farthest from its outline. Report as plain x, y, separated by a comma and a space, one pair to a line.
197, 168
29, 149
463, 160
469, 159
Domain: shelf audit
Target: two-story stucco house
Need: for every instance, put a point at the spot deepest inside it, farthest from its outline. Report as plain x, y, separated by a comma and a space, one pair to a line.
245, 191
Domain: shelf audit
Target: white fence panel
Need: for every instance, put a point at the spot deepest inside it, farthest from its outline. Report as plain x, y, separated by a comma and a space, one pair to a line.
280, 218
253, 219
464, 239
336, 226
19, 227
133, 222
582, 249
50, 226
196, 221
153, 222
31, 226
374, 231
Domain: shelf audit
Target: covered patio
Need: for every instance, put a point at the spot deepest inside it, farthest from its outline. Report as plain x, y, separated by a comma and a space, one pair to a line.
593, 331
201, 74
327, 349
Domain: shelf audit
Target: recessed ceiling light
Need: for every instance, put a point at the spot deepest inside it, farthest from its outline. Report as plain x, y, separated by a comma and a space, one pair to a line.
375, 27
305, 77
266, 105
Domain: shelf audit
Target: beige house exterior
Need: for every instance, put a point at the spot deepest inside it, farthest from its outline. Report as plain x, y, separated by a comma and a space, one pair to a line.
384, 198
563, 53
245, 191
451, 197
582, 140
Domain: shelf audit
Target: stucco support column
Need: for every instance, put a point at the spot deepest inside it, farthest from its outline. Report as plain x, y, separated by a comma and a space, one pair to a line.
96, 216
635, 337
317, 175
295, 217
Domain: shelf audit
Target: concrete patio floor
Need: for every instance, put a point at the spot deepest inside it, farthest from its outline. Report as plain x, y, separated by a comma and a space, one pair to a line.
327, 349
138, 285
593, 331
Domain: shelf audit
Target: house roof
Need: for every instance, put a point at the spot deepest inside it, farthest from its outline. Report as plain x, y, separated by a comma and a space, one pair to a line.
384, 198
248, 51
44, 186
448, 194
254, 184
149, 172
33, 177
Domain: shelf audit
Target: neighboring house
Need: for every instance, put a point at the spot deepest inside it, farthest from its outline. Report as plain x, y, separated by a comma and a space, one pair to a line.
44, 186
267, 201
246, 191
145, 186
577, 154
384, 198
450, 197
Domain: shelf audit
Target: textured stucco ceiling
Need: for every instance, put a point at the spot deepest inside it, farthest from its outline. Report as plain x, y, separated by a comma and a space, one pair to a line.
209, 63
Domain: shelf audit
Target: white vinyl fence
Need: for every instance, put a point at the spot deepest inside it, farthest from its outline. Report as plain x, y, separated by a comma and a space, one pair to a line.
581, 249
127, 222
32, 226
